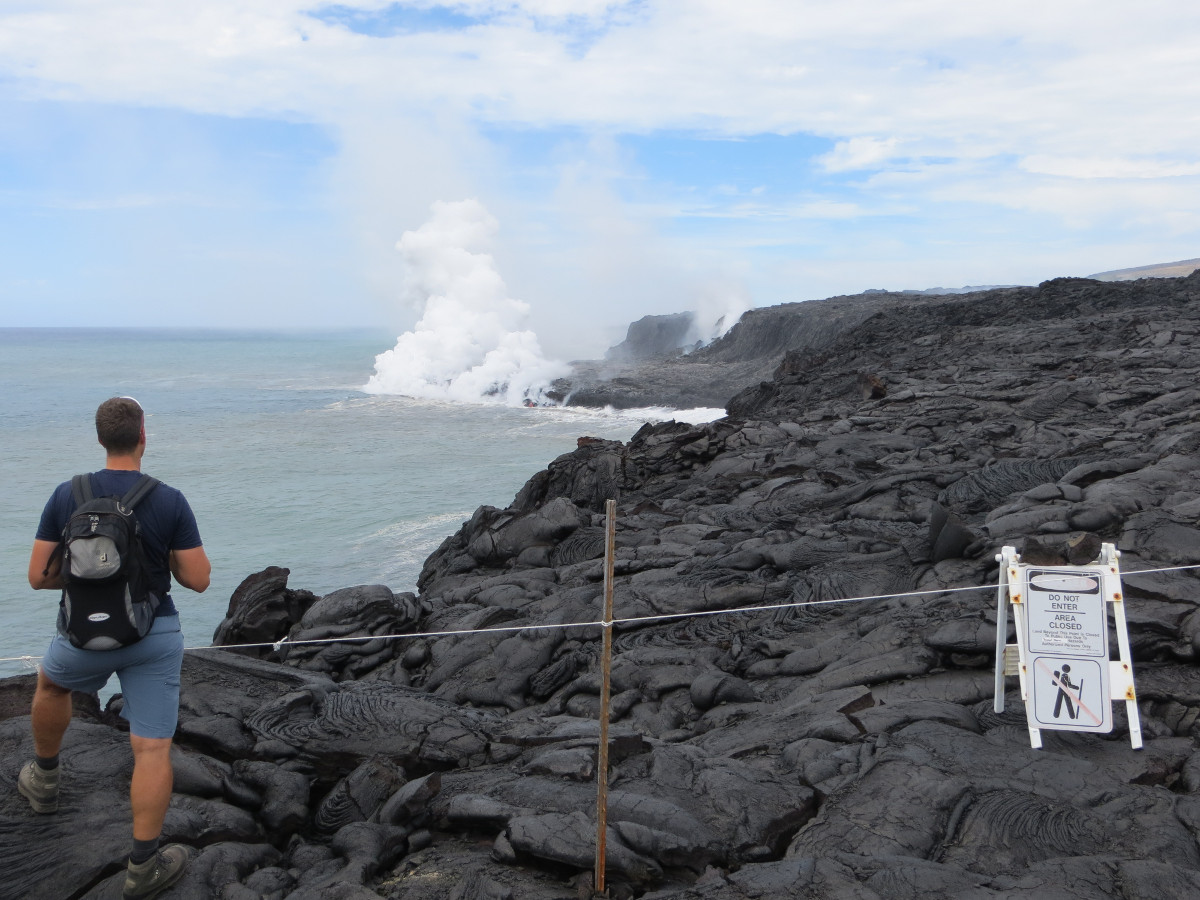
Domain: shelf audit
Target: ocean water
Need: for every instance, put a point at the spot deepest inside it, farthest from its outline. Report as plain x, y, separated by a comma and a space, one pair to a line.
284, 458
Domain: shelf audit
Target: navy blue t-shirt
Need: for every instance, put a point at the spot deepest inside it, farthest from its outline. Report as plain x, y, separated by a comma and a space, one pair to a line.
166, 520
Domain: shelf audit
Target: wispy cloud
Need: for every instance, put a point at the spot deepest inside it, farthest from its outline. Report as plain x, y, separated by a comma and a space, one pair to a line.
936, 119
1109, 167
859, 153
984, 77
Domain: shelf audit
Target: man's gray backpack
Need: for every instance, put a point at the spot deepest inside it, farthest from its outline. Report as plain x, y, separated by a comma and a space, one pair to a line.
106, 599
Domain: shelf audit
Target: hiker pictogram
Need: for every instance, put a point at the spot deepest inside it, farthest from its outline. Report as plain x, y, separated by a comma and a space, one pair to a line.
1068, 693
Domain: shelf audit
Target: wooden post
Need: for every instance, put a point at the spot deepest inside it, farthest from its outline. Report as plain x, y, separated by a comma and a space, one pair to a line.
610, 541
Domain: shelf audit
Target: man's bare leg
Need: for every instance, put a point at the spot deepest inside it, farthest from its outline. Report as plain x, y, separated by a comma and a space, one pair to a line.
151, 869
151, 694
150, 787
50, 716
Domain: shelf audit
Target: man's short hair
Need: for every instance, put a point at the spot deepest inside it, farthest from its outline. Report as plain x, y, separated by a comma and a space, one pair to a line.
119, 424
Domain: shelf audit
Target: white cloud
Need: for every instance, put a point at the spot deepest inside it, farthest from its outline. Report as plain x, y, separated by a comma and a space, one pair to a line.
858, 153
1073, 112
1018, 77
1108, 167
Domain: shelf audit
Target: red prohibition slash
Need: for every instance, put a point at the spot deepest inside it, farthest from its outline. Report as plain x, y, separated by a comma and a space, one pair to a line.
1058, 684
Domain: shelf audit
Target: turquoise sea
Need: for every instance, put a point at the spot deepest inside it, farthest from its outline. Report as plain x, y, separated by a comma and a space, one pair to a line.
285, 460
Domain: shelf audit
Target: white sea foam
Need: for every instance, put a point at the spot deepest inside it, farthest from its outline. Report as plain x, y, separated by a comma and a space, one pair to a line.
697, 416
470, 345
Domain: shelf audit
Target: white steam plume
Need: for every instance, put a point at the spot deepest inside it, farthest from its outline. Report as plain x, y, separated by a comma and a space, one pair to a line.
718, 308
469, 345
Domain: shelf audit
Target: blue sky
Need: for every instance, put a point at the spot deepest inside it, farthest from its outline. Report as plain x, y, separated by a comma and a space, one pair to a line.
253, 163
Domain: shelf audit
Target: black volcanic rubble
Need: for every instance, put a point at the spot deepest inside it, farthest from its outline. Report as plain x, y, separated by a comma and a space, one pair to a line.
810, 749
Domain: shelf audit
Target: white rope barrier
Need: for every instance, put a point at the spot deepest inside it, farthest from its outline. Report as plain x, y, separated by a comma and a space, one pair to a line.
30, 661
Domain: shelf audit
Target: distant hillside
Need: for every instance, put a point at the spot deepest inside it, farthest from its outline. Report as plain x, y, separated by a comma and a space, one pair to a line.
751, 351
1180, 269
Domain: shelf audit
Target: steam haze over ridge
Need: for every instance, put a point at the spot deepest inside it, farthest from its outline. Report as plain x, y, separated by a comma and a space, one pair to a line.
254, 164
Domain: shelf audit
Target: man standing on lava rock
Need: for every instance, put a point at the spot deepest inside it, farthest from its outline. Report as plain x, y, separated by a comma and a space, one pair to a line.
147, 658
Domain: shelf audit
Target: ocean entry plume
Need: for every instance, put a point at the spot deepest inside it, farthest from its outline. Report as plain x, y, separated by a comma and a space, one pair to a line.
470, 345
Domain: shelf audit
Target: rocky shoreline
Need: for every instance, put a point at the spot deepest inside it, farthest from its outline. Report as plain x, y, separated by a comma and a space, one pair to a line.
879, 446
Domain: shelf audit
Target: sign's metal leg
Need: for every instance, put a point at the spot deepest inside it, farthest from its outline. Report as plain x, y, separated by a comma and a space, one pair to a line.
1110, 555
1001, 630
1035, 734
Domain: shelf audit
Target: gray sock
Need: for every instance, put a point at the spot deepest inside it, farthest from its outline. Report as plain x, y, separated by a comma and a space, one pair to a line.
48, 763
143, 850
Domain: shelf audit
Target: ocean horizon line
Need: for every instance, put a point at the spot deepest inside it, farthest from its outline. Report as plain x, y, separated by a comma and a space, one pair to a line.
216, 330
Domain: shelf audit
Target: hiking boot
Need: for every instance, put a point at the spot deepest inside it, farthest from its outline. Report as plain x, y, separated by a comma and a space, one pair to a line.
39, 786
152, 877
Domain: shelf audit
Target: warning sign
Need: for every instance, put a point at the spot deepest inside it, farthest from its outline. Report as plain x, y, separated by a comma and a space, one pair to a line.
1062, 653
1071, 694
1067, 612
1067, 626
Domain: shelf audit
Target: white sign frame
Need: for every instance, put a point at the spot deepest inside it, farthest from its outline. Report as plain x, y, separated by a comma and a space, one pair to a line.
1068, 681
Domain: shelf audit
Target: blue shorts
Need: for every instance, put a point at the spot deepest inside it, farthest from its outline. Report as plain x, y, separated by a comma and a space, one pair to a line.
148, 670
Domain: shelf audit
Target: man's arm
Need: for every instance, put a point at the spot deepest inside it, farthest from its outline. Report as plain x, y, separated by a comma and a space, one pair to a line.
191, 568
41, 561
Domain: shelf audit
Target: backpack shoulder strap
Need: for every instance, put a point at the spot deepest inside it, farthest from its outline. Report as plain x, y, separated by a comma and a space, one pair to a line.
138, 492
81, 493
81, 489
